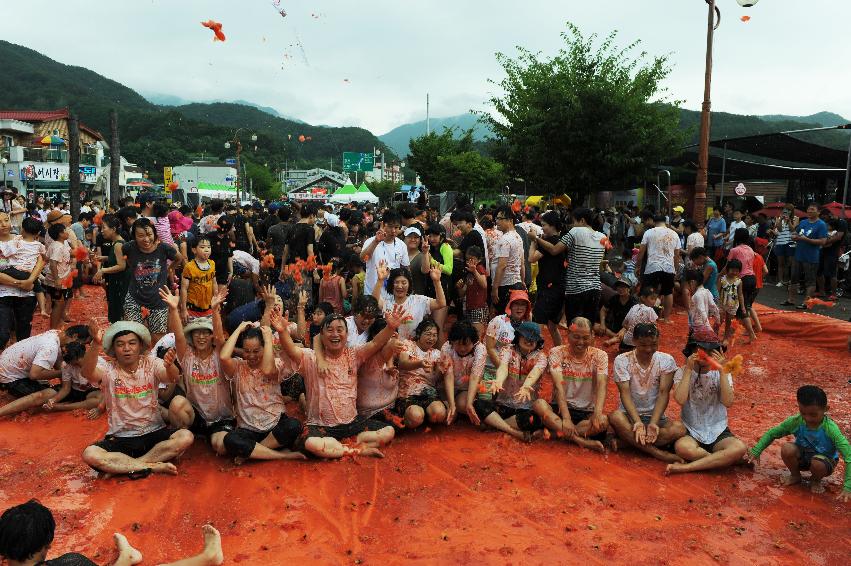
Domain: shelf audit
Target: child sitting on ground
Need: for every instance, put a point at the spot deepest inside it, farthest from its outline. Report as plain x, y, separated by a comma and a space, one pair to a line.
506, 404
643, 312
731, 297
818, 441
705, 394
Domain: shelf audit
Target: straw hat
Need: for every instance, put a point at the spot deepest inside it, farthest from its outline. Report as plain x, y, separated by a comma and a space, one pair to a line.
125, 326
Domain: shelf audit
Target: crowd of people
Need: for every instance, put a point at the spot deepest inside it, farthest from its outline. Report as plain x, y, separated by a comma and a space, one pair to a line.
379, 321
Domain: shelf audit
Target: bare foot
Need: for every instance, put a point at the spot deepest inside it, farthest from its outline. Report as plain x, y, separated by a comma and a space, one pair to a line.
675, 468
163, 468
126, 551
290, 455
816, 486
595, 445
371, 451
792, 479
667, 457
212, 546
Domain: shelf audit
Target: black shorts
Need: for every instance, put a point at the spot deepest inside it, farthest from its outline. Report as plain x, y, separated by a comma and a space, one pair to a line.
749, 290
828, 263
75, 395
577, 416
548, 305
357, 426
807, 455
200, 427
23, 387
423, 400
526, 419
134, 446
58, 294
585, 304
663, 282
726, 433
287, 432
293, 387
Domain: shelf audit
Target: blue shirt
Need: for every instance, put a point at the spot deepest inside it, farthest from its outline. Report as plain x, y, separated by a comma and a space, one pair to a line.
712, 282
804, 251
713, 227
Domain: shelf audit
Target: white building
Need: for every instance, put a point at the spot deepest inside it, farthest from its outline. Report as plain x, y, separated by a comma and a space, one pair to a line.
206, 179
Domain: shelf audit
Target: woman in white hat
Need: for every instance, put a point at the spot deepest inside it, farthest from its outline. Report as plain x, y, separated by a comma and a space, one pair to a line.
138, 441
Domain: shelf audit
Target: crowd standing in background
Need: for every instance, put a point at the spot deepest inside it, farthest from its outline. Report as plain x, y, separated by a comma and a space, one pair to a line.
379, 320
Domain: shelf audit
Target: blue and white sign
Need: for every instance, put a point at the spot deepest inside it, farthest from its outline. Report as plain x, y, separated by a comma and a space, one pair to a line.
230, 161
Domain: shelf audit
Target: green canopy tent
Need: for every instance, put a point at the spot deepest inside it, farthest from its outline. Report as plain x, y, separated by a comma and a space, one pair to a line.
365, 195
344, 194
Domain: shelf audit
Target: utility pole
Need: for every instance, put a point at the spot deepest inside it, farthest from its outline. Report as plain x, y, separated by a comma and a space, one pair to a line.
74, 164
428, 120
114, 160
702, 180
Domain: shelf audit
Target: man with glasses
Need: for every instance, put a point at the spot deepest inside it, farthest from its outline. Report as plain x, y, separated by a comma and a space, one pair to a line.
508, 253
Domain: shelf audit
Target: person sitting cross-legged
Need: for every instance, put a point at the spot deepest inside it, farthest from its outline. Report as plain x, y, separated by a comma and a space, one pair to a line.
138, 441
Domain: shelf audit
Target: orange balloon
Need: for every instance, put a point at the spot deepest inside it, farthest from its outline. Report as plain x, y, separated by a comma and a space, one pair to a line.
301, 139
746, 18
173, 185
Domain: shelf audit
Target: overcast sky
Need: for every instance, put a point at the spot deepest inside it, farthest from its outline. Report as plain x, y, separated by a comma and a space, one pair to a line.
792, 57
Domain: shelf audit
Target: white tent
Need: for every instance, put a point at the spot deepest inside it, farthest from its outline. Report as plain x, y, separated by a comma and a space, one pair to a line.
365, 195
344, 195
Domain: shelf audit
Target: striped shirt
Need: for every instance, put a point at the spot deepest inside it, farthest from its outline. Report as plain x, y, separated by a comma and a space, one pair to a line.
584, 254
784, 234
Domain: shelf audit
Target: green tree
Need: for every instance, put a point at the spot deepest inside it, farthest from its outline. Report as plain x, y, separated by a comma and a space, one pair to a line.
448, 163
384, 189
585, 119
264, 183
469, 172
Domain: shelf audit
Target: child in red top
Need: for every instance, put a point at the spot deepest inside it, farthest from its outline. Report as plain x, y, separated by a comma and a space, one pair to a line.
332, 287
759, 271
474, 287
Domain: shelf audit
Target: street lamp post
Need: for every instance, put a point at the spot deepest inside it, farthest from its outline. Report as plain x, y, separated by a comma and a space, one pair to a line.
3, 162
701, 182
238, 144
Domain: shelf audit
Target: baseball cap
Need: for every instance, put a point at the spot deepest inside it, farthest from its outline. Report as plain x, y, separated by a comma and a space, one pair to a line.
412, 230
679, 209
529, 330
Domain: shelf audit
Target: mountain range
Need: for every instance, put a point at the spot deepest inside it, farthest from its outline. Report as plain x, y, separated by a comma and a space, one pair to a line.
168, 130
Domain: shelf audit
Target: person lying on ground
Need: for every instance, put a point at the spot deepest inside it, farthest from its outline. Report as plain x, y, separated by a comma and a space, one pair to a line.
138, 441
705, 395
331, 397
26, 367
420, 368
264, 430
27, 531
580, 373
506, 404
202, 399
644, 377
464, 356
818, 443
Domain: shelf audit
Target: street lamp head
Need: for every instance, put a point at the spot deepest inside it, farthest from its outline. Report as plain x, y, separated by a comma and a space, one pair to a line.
3, 160
227, 145
253, 137
747, 3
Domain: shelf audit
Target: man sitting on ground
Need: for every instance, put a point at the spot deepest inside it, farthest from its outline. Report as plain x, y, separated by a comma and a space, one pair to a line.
137, 442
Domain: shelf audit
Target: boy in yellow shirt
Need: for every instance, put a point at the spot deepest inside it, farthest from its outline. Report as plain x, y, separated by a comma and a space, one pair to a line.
198, 284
